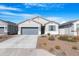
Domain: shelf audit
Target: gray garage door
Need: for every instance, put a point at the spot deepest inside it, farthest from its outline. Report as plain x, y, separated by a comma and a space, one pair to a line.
29, 30
1, 30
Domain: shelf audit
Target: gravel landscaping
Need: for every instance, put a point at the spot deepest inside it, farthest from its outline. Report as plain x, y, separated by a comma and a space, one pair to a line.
59, 47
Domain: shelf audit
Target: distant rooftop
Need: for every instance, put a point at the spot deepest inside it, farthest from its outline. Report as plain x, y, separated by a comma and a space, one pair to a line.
9, 22
66, 24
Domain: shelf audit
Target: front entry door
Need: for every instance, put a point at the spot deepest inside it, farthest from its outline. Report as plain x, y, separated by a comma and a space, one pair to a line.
42, 29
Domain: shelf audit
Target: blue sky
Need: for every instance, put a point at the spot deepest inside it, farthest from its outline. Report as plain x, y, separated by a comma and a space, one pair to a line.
60, 12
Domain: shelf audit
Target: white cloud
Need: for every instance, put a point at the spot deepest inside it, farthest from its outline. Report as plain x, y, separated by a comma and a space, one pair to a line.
7, 13
28, 16
8, 8
44, 5
28, 5
24, 15
57, 19
64, 21
57, 5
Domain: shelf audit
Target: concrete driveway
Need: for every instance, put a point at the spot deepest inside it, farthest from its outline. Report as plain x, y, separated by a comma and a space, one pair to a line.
22, 45
20, 41
23, 52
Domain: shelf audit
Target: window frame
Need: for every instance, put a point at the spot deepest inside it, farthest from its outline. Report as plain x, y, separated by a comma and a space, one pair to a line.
52, 27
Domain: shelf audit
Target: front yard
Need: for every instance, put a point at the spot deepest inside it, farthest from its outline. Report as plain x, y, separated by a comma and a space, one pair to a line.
59, 45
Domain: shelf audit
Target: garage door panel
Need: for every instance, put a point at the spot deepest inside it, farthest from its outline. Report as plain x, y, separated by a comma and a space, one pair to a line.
30, 31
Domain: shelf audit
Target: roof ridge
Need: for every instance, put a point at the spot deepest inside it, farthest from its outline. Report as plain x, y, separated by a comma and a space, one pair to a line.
7, 21
33, 18
70, 21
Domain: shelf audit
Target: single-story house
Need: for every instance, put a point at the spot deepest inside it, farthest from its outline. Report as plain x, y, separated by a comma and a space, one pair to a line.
7, 27
37, 26
70, 28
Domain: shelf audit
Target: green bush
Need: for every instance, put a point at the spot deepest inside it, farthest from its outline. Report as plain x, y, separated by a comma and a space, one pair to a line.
48, 34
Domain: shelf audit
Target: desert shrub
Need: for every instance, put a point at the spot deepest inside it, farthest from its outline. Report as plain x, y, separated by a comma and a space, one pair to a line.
57, 36
64, 37
48, 34
57, 47
51, 37
74, 47
67, 38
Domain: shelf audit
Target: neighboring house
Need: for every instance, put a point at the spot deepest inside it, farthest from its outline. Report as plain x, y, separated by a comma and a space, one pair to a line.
37, 26
70, 28
7, 27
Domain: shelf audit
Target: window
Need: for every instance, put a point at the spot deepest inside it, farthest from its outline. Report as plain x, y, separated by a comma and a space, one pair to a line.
77, 26
52, 28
